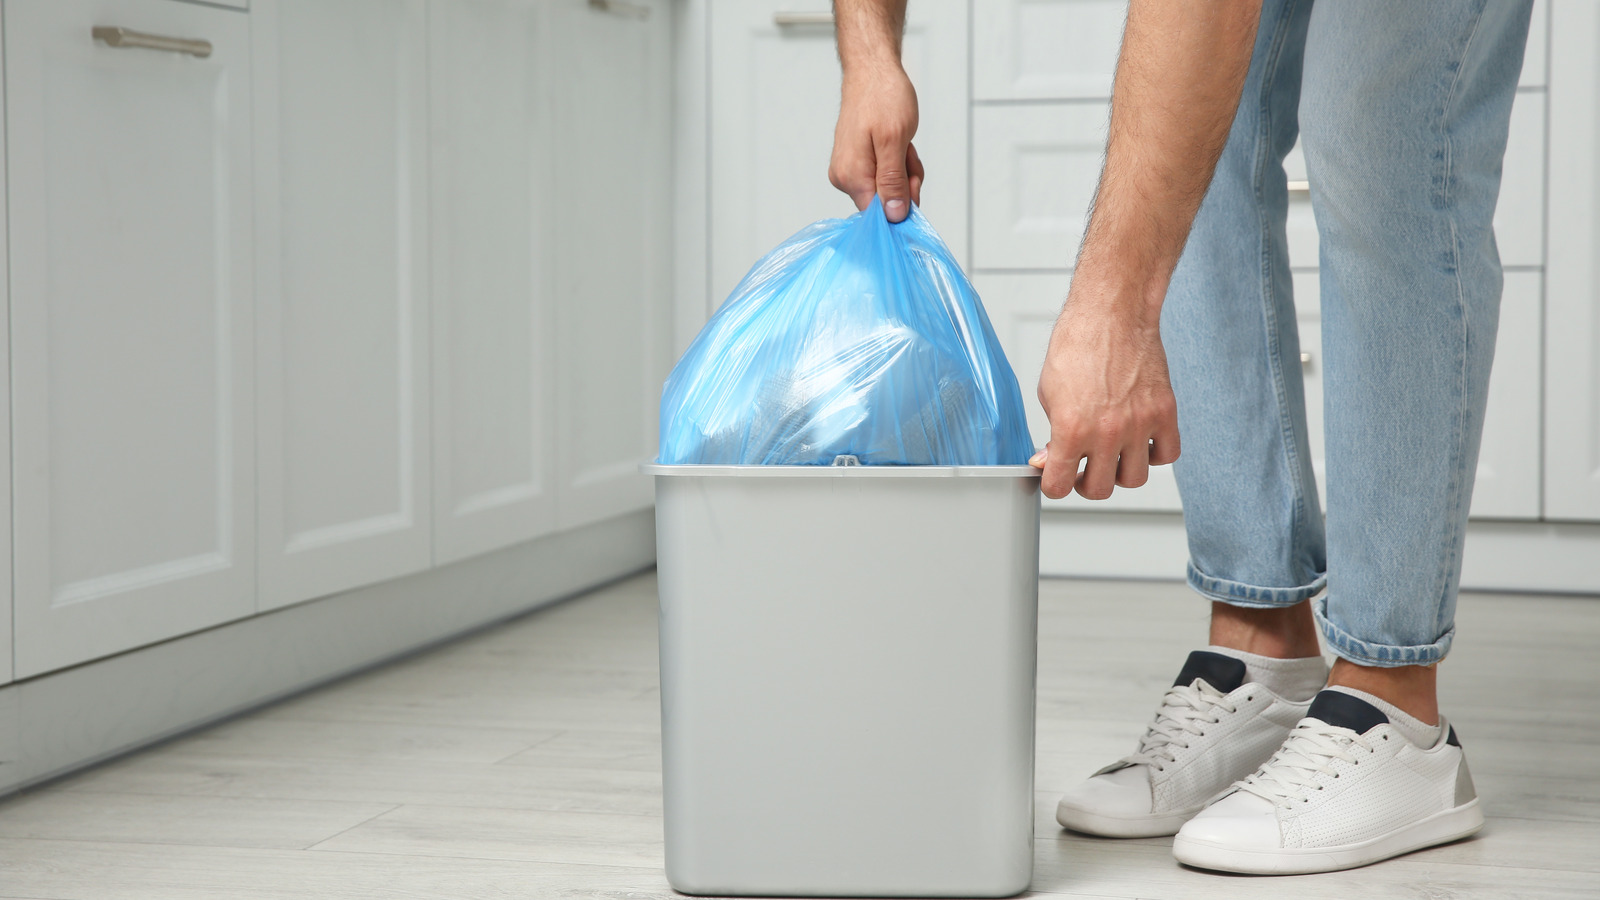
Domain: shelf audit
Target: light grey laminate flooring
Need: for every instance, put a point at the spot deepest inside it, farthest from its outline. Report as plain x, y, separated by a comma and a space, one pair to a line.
524, 762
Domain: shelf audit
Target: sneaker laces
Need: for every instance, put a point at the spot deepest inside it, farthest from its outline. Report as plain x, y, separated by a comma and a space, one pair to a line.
1185, 710
1310, 750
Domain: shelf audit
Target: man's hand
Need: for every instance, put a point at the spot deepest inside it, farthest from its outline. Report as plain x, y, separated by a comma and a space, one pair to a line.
872, 149
1106, 391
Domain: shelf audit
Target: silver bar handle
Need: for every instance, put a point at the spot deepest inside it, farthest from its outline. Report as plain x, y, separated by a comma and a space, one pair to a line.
114, 36
1299, 187
619, 8
794, 19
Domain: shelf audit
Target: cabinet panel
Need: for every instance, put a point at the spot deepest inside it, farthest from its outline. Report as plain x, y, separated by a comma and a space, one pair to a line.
1034, 174
1045, 49
1509, 463
131, 314
1519, 214
342, 294
774, 97
5, 441
611, 250
1572, 293
1023, 307
493, 322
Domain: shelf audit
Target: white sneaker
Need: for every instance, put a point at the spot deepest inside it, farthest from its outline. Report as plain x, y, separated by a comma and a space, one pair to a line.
1211, 730
1347, 789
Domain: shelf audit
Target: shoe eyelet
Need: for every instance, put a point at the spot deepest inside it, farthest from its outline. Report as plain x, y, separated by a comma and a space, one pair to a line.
1386, 737
1248, 699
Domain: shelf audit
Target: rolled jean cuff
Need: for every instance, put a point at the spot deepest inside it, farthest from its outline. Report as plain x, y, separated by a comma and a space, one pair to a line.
1364, 653
1248, 595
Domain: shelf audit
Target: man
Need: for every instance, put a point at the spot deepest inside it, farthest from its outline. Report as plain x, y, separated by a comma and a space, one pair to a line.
1259, 758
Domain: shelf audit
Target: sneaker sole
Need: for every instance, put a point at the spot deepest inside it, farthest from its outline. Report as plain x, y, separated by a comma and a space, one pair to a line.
1082, 820
1440, 828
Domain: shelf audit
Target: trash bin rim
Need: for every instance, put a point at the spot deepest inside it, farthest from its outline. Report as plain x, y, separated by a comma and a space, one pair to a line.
842, 471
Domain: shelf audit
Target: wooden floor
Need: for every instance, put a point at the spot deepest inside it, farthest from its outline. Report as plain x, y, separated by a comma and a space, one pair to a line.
524, 762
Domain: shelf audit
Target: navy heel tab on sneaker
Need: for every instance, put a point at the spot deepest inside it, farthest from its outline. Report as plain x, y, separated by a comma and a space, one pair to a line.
1221, 672
1346, 711
1452, 740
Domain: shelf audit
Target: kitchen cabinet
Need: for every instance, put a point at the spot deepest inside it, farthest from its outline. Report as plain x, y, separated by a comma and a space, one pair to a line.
493, 219
342, 294
132, 363
774, 100
1035, 168
1572, 292
5, 420
611, 250
1062, 50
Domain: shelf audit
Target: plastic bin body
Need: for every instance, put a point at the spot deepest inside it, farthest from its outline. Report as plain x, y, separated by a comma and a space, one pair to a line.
847, 678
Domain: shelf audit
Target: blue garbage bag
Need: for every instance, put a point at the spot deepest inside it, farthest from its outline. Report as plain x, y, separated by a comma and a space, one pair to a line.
854, 338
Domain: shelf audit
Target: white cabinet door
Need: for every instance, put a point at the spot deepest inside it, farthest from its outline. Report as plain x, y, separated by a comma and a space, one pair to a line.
493, 321
1572, 285
342, 277
611, 249
1519, 214
131, 316
5, 422
774, 98
1509, 461
1508, 465
1035, 168
1045, 49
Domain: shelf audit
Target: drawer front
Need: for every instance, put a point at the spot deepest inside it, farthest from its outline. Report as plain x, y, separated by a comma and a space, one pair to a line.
1045, 49
1067, 49
1519, 214
1033, 177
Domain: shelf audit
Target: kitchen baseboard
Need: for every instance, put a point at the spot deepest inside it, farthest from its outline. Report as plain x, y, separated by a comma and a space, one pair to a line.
62, 721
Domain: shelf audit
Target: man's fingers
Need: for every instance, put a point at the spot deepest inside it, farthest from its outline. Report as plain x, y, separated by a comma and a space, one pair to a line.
914, 167
894, 182
1060, 471
1133, 469
1099, 475
1164, 447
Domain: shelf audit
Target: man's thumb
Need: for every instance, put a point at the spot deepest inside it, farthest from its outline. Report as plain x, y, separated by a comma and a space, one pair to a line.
893, 185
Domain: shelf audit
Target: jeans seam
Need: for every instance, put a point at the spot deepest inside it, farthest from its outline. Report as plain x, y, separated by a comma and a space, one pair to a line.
1452, 548
1269, 297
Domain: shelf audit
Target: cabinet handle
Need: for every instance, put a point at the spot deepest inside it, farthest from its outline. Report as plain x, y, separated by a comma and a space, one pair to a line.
1299, 187
1305, 357
127, 37
618, 8
794, 19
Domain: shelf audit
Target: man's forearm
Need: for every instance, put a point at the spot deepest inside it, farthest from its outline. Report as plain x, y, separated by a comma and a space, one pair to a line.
869, 33
1181, 70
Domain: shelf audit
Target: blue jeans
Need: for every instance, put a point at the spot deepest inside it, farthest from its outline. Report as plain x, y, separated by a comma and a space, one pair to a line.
1403, 110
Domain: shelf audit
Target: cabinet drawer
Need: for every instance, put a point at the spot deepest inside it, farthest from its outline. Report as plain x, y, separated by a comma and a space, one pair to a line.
1508, 475
1519, 214
1034, 170
1045, 49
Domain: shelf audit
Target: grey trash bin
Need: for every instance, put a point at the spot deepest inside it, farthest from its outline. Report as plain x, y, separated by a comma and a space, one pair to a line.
847, 678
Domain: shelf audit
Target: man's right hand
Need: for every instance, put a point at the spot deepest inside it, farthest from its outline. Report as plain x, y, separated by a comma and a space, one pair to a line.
872, 150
